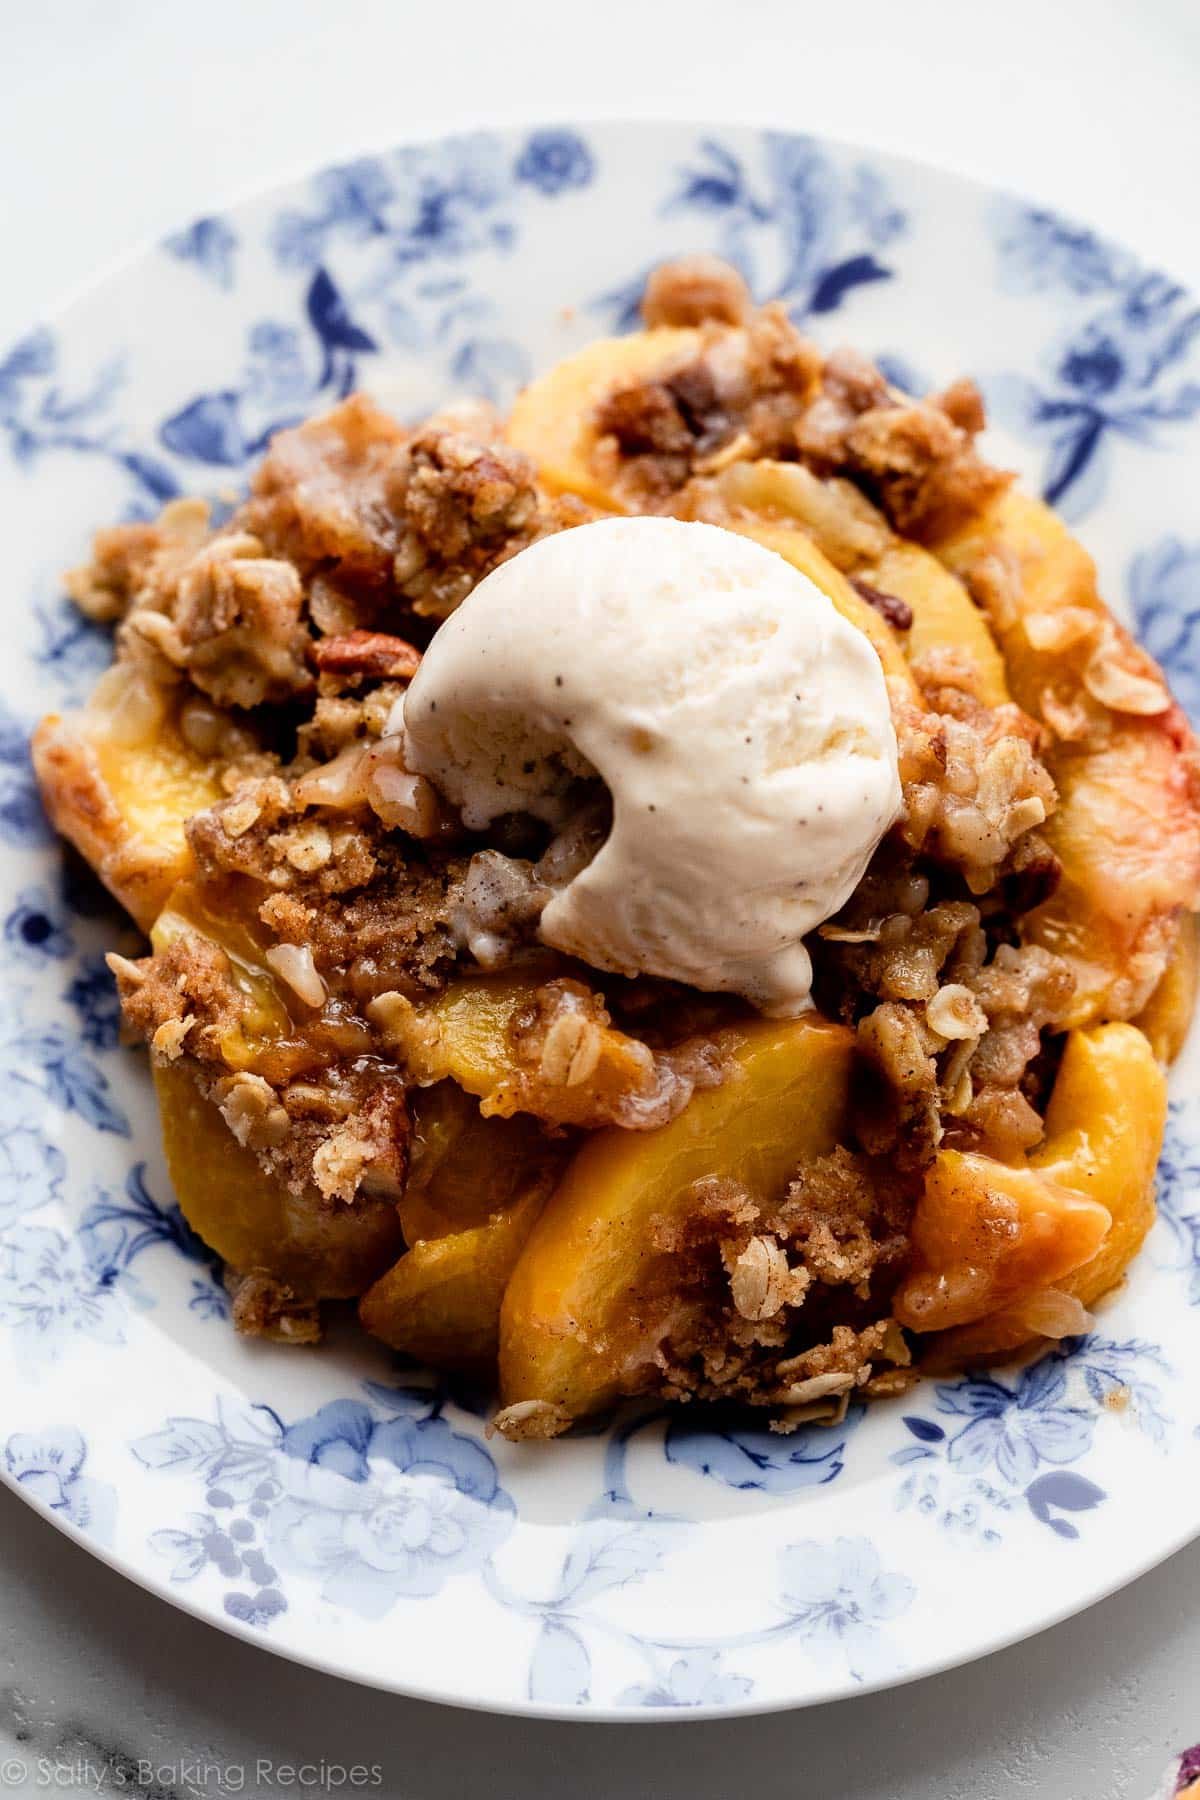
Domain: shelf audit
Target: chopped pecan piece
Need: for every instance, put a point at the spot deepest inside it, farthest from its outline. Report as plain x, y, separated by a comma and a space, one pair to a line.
372, 653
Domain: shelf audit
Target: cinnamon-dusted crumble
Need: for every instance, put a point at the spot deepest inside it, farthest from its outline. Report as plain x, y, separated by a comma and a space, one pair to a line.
335, 951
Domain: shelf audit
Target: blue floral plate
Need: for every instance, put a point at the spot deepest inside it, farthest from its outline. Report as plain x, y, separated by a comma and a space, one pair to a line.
334, 1506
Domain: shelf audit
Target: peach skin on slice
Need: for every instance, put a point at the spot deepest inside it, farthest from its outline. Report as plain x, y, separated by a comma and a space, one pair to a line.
320, 1249
1104, 1130
553, 419
573, 1330
1127, 828
120, 786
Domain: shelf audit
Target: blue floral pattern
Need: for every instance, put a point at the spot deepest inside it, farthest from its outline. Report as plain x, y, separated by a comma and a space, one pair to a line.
553, 162
1124, 368
1011, 1436
49, 1467
37, 928
211, 245
1179, 1194
284, 1494
1164, 591
375, 1508
841, 1600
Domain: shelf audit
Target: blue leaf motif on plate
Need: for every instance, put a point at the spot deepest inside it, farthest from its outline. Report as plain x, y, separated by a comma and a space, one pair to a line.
31, 1171
1164, 590
73, 649
1037, 249
604, 1558
92, 995
116, 1229
1062, 1491
808, 233
832, 287
743, 1455
1179, 1192
50, 1465
840, 1598
22, 820
53, 1061
330, 317
560, 1670
209, 430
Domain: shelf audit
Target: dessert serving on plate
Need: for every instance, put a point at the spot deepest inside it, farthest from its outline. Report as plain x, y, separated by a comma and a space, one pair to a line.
684, 890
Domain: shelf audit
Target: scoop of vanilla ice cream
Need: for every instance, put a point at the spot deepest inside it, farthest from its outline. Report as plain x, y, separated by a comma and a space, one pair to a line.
740, 724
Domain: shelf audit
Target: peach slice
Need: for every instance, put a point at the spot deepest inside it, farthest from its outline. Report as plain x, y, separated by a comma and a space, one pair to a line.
469, 1034
984, 1233
119, 781
441, 1301
320, 1249
552, 420
1127, 828
574, 1327
852, 535
1104, 1131
1168, 1012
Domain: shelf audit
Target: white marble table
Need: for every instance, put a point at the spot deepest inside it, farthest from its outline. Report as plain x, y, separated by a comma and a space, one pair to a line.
118, 118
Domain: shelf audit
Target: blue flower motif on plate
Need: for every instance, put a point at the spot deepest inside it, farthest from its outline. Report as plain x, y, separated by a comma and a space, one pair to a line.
694, 1679
840, 1599
31, 1170
379, 1509
832, 230
1019, 1430
52, 1296
210, 244
49, 1465
38, 418
1164, 590
372, 1508
419, 207
555, 161
1038, 250
37, 929
1121, 370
